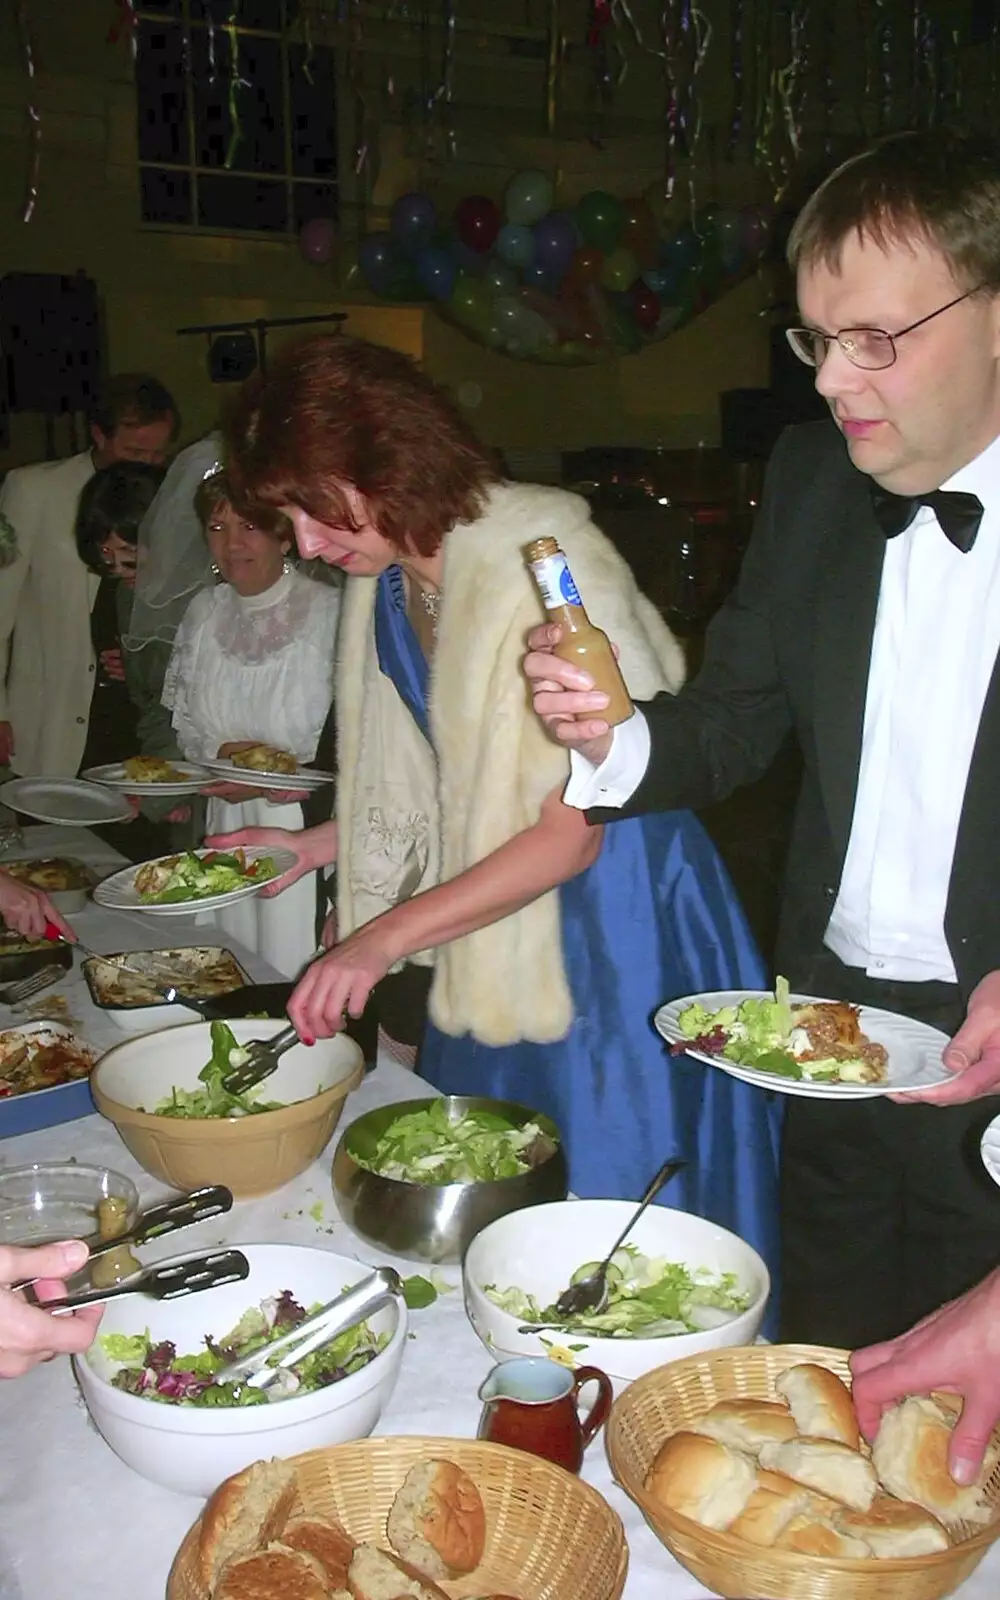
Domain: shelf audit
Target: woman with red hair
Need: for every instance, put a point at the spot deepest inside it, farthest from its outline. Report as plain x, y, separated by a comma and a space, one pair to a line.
551, 943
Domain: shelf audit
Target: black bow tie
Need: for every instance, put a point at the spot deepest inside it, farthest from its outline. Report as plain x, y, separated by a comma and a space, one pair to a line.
958, 513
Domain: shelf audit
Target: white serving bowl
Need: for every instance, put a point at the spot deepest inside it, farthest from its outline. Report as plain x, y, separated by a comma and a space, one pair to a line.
191, 1449
539, 1250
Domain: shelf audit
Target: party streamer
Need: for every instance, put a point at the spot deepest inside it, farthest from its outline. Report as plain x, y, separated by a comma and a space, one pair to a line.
736, 21
34, 115
236, 83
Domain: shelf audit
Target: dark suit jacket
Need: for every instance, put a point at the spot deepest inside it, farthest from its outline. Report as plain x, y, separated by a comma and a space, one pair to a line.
791, 650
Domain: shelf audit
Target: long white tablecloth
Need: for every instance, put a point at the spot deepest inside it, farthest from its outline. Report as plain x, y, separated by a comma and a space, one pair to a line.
75, 1522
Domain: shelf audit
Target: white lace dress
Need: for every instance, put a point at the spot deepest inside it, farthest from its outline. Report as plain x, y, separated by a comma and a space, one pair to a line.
258, 667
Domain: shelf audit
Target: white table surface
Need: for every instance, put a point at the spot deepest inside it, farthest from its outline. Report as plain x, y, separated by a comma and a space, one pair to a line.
75, 1522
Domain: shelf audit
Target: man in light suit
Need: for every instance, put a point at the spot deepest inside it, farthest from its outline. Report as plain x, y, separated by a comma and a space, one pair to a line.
867, 620
46, 592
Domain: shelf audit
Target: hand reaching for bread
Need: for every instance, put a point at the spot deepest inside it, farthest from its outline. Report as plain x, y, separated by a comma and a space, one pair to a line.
794, 1474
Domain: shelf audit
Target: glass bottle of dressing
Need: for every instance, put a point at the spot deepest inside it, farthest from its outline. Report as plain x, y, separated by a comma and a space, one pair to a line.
582, 644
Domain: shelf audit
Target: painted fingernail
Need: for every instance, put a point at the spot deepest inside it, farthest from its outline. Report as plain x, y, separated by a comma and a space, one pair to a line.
306, 1040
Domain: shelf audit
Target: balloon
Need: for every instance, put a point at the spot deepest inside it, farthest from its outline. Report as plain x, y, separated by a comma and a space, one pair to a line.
555, 243
412, 220
682, 251
639, 233
515, 245
663, 283
538, 277
600, 218
507, 315
499, 279
559, 314
728, 229
666, 212
626, 334
318, 240
472, 304
380, 261
469, 261
755, 226
644, 305
620, 269
436, 271
527, 198
477, 219
587, 266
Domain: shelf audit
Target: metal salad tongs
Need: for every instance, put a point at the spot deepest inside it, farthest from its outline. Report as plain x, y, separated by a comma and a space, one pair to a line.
168, 1281
260, 1369
168, 1217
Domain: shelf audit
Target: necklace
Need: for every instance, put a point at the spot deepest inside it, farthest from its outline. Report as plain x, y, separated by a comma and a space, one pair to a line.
430, 599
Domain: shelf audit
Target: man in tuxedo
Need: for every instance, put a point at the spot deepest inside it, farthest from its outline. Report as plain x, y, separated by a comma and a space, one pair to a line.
46, 592
867, 620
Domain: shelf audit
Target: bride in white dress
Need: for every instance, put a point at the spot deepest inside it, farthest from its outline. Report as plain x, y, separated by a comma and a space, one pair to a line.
253, 663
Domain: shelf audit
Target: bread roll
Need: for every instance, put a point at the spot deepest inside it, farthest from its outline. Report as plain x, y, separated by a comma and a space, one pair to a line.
272, 1574
817, 1536
701, 1478
437, 1522
911, 1458
825, 1465
821, 1405
247, 1511
747, 1424
775, 1502
325, 1541
892, 1528
376, 1575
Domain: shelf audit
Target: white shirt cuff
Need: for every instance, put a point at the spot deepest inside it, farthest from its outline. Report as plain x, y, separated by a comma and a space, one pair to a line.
618, 777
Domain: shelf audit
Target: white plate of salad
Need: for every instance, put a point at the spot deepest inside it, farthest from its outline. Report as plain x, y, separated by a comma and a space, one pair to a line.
801, 1045
193, 880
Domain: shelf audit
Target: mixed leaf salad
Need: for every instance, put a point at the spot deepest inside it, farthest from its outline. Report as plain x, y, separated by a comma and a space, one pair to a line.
214, 1100
649, 1297
427, 1147
194, 876
820, 1041
157, 1372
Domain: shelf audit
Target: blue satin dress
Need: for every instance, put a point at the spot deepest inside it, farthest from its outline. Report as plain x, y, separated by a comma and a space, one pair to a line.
655, 917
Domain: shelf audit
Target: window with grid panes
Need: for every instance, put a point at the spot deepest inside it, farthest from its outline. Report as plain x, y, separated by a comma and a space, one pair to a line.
253, 148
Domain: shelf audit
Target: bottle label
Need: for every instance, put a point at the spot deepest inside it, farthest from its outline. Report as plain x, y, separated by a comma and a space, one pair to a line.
555, 582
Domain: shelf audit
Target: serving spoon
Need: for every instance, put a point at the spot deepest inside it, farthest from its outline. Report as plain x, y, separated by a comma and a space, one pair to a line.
590, 1296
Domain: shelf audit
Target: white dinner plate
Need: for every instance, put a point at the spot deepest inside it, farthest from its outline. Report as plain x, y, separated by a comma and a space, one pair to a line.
192, 779
119, 893
914, 1049
989, 1149
69, 802
305, 778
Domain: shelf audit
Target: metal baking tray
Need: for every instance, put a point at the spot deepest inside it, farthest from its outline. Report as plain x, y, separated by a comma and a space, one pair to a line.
107, 997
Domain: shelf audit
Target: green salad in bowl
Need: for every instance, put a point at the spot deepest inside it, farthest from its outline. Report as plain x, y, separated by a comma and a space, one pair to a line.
214, 1100
430, 1146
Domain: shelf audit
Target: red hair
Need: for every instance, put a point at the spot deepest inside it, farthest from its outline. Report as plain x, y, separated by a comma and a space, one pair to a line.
336, 411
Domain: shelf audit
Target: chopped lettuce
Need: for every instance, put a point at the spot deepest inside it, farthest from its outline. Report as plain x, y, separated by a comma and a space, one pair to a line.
758, 1033
157, 1372
214, 1100
194, 877
426, 1147
649, 1298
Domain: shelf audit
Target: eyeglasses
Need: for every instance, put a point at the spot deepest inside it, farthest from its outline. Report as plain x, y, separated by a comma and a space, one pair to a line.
870, 348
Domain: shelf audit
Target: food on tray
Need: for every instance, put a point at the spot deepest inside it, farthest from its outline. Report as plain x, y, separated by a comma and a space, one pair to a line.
820, 1403
151, 769
214, 1100
832, 1468
157, 1372
427, 1147
200, 972
56, 874
40, 1058
196, 876
245, 1513
265, 758
437, 1522
735, 1469
820, 1041
648, 1298
911, 1458
273, 1574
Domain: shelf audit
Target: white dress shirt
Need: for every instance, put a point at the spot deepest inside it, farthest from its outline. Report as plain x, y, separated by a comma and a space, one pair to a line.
937, 633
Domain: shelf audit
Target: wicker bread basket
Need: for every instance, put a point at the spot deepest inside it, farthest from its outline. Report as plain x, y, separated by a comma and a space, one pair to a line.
548, 1536
670, 1398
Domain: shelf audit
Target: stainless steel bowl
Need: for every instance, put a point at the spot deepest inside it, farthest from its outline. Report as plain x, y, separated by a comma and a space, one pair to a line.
432, 1222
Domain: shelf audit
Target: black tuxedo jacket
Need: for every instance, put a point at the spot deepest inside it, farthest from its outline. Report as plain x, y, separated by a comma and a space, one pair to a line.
791, 650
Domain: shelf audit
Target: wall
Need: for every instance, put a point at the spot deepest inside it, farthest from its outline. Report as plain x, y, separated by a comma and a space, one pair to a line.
154, 281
